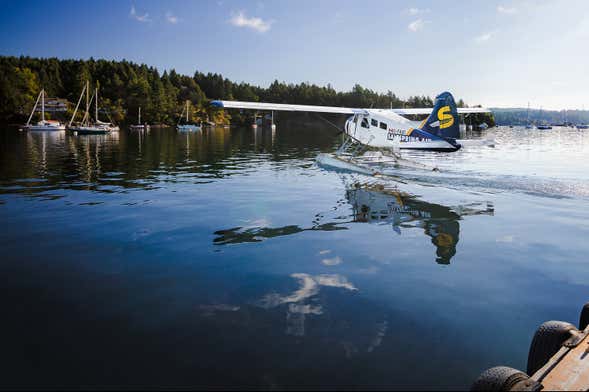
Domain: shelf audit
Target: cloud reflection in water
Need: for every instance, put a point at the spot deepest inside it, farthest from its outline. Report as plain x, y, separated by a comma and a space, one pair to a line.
298, 309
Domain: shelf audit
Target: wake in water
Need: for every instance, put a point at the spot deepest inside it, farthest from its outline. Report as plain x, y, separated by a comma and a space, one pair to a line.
491, 183
545, 164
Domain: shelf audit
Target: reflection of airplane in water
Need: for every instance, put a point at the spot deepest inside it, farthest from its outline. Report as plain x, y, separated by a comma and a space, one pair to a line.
374, 203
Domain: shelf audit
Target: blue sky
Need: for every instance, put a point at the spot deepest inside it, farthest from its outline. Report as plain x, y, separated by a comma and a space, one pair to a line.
496, 53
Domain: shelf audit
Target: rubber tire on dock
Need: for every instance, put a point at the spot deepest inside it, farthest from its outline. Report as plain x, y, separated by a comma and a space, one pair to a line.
499, 378
584, 318
547, 340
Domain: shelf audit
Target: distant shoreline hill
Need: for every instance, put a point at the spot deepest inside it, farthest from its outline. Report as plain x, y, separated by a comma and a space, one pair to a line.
519, 116
125, 86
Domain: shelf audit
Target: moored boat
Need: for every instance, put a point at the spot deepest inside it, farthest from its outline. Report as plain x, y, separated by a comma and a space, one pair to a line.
528, 124
85, 126
43, 125
139, 126
543, 125
187, 127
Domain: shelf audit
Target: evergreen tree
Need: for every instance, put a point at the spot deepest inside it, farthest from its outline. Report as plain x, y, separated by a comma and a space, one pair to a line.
126, 86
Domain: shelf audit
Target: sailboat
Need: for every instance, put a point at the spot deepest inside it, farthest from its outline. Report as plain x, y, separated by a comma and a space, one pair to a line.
528, 125
43, 125
187, 126
139, 126
582, 125
87, 127
108, 125
543, 125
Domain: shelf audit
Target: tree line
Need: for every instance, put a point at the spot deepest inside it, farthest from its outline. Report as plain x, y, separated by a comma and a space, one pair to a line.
125, 86
522, 116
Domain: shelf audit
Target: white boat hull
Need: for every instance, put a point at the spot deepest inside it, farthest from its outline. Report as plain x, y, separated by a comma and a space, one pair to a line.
45, 128
188, 128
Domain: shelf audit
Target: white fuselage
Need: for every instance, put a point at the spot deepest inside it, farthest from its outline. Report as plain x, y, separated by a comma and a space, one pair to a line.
383, 128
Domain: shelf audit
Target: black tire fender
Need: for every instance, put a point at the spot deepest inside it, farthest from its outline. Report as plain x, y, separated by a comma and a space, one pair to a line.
547, 340
584, 317
499, 378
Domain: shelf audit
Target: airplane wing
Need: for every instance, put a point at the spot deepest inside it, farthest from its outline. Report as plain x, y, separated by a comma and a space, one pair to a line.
285, 107
326, 109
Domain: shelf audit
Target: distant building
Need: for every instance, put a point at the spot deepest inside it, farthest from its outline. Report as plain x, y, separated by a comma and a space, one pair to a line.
54, 105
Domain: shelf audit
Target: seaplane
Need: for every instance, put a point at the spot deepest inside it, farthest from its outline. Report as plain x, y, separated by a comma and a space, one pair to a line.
374, 137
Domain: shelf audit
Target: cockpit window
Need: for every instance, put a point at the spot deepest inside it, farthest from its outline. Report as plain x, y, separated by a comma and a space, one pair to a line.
374, 123
383, 125
364, 123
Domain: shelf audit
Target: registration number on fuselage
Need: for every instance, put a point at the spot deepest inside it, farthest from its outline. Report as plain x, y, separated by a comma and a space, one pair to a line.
397, 134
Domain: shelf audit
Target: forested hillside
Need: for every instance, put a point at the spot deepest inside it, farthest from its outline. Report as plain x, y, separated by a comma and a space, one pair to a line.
521, 116
125, 86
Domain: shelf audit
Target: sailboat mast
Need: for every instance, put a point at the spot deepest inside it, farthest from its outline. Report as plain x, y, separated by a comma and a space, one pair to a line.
34, 107
77, 106
43, 105
528, 114
87, 98
96, 105
139, 115
186, 111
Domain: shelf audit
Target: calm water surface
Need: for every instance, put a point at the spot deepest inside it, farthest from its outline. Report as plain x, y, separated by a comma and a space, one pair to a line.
229, 258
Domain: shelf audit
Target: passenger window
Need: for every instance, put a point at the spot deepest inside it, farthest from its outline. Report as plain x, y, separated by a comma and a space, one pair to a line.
364, 123
383, 126
374, 123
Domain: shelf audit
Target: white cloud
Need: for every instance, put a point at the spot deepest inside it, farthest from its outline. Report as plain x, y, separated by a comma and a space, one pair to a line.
140, 18
171, 18
257, 24
330, 262
480, 39
416, 11
416, 25
506, 10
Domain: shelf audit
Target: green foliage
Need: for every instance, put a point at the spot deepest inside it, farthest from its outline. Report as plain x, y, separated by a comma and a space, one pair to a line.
19, 88
126, 86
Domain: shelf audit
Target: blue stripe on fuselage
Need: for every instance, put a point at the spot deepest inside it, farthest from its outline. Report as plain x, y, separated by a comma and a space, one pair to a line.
416, 132
420, 133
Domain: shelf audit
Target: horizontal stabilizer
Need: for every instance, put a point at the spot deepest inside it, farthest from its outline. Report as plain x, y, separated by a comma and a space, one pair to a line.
409, 111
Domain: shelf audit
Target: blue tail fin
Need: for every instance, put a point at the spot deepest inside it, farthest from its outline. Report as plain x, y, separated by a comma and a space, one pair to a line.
443, 121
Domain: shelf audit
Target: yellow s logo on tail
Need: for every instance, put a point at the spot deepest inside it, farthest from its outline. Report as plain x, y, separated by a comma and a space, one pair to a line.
446, 118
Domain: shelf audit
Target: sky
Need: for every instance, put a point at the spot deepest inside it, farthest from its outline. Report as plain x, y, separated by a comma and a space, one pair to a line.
494, 53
